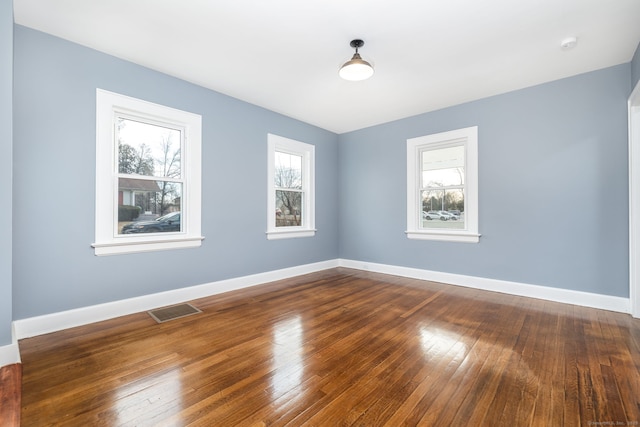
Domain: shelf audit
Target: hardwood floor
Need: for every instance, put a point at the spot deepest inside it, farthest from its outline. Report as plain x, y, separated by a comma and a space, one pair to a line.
337, 348
10, 385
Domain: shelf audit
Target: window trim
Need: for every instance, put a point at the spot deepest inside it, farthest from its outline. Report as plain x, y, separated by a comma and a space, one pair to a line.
469, 138
307, 152
107, 242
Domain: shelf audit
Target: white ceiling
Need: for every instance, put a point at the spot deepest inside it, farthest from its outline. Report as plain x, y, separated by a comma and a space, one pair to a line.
284, 55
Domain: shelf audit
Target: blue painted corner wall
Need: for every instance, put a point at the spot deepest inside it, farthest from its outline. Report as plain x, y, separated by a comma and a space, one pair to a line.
55, 268
552, 187
6, 142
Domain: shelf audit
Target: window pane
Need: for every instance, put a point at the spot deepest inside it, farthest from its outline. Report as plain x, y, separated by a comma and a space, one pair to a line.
442, 167
288, 208
148, 206
288, 170
443, 178
147, 149
443, 208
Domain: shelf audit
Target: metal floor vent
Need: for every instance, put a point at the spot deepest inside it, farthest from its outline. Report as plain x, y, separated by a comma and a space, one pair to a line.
165, 314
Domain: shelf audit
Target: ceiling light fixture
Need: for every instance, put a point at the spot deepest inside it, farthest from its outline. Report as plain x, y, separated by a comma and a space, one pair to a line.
356, 68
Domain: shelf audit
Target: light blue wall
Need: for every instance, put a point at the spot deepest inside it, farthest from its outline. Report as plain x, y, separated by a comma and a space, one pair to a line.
54, 173
635, 68
6, 121
552, 187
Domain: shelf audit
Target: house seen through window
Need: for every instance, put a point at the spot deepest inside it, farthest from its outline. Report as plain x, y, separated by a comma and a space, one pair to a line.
148, 176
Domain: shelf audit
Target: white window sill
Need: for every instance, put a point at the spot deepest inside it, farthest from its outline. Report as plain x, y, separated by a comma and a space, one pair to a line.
115, 248
447, 236
290, 234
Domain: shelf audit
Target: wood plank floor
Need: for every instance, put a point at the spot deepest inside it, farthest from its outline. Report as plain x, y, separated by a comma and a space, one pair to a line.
339, 348
10, 387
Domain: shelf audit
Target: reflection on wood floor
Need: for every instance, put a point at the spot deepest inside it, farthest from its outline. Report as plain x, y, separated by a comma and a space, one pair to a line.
342, 347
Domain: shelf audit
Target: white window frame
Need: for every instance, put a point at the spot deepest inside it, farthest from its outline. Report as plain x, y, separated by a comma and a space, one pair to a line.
107, 240
468, 137
307, 152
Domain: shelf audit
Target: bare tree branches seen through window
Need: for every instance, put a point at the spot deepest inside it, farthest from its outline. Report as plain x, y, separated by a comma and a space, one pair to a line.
148, 176
149, 171
291, 188
442, 187
288, 186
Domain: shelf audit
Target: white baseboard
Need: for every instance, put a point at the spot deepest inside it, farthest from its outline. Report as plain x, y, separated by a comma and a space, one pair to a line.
586, 299
39, 325
9, 354
33, 326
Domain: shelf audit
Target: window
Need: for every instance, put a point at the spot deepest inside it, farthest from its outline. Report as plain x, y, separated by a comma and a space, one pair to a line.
147, 176
290, 207
442, 186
